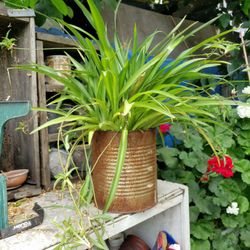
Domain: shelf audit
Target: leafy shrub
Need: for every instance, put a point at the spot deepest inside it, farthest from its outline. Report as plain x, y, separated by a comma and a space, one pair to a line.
219, 206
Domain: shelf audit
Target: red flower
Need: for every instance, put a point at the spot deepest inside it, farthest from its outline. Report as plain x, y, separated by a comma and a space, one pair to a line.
222, 166
164, 128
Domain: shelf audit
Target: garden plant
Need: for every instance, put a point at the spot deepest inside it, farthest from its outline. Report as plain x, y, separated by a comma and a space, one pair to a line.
113, 91
218, 187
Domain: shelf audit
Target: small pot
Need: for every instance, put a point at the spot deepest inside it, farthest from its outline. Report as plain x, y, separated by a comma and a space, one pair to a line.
133, 242
116, 241
16, 178
61, 63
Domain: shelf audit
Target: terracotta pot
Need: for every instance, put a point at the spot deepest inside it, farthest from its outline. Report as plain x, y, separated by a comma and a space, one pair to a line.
59, 63
133, 242
138, 182
16, 178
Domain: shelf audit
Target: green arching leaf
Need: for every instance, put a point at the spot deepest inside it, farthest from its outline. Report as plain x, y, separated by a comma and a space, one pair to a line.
61, 6
67, 118
120, 162
224, 20
221, 135
85, 11
32, 3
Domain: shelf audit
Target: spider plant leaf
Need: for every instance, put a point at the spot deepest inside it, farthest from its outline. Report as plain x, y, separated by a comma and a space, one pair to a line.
62, 120
153, 106
54, 111
85, 12
118, 169
111, 85
135, 40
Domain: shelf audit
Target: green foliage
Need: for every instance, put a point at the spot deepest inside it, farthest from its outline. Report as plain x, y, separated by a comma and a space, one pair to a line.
202, 230
245, 236
211, 226
88, 229
200, 245
118, 93
236, 14
226, 240
114, 92
243, 166
7, 42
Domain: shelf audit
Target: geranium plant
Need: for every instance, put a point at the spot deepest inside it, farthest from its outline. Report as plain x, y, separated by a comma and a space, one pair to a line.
218, 185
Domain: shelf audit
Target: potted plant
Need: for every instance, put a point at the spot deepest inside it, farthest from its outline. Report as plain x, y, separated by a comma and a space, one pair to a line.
122, 93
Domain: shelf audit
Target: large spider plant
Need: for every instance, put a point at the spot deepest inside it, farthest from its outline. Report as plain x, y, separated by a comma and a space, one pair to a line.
113, 91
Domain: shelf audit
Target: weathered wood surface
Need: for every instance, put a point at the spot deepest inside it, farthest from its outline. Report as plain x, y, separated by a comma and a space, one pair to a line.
43, 134
147, 22
46, 44
54, 41
21, 150
5, 18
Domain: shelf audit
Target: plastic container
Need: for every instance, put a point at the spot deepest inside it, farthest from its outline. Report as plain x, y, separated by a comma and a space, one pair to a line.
116, 241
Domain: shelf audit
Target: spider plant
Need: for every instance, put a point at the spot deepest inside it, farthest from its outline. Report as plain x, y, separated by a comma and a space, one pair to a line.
113, 91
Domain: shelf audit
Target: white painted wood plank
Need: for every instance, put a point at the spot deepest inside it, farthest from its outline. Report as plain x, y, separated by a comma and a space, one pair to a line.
170, 198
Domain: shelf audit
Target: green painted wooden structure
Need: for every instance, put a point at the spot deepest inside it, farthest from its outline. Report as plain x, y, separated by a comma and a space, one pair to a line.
8, 110
3, 203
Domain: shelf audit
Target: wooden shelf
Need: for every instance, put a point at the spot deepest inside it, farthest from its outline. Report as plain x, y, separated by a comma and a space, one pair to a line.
53, 137
6, 18
55, 41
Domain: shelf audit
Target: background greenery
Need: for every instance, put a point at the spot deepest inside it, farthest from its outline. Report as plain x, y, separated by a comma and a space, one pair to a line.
186, 162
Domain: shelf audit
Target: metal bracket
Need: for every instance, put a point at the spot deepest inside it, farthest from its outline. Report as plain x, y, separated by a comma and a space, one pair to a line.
21, 13
12, 230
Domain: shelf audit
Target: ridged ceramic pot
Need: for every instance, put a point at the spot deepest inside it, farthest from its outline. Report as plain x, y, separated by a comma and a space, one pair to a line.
59, 63
137, 189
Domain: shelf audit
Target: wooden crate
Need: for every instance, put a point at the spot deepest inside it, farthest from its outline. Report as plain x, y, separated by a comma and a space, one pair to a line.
20, 150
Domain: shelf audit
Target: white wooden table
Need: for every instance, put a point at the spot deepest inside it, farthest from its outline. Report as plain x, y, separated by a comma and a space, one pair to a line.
170, 214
